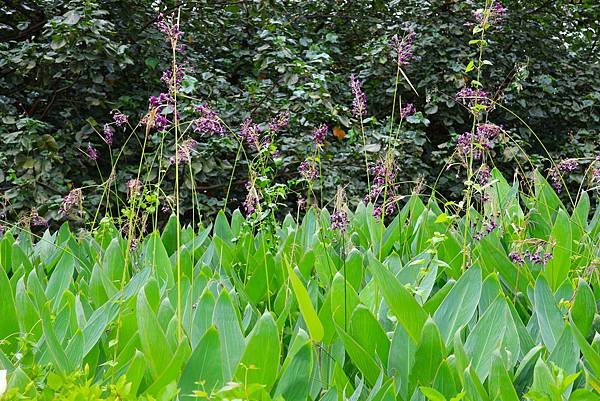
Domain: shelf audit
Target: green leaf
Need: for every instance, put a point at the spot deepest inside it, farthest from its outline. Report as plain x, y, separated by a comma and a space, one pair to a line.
557, 269
260, 361
203, 371
499, 382
294, 381
584, 307
458, 307
549, 318
428, 356
402, 303
315, 328
232, 340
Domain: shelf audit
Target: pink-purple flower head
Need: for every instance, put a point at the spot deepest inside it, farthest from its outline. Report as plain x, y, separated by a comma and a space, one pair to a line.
407, 110
119, 118
308, 170
563, 167
134, 188
208, 122
169, 26
252, 199
280, 121
470, 98
107, 134
37, 220
162, 99
91, 152
339, 220
359, 104
319, 134
250, 132
491, 16
73, 198
184, 152
403, 48
484, 139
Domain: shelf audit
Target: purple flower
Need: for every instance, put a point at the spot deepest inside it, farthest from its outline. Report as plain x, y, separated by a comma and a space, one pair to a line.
319, 134
169, 26
184, 152
403, 48
484, 139
167, 77
119, 118
37, 220
488, 228
107, 134
596, 174
483, 175
308, 170
563, 167
160, 122
162, 99
91, 153
73, 198
359, 104
494, 14
470, 97
208, 122
301, 203
517, 258
407, 111
281, 120
250, 132
339, 220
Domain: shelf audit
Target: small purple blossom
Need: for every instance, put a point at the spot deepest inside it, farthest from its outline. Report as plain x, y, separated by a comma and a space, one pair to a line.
517, 258
167, 77
308, 170
91, 153
37, 220
169, 26
494, 14
107, 134
403, 48
184, 152
407, 111
483, 175
160, 122
359, 104
119, 118
301, 203
250, 132
484, 139
280, 121
73, 198
160, 100
319, 134
538, 257
470, 97
339, 220
208, 122
563, 167
487, 229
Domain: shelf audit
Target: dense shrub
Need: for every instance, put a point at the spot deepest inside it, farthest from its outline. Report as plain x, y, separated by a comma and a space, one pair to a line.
66, 64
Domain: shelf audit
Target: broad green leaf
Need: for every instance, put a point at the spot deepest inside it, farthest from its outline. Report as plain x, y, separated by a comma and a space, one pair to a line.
315, 328
584, 307
549, 318
557, 269
428, 356
402, 303
203, 371
230, 333
458, 307
294, 381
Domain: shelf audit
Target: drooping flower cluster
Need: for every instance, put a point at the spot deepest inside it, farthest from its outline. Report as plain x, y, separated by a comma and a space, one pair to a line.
319, 134
484, 139
208, 122
407, 110
107, 134
403, 48
252, 199
119, 118
470, 97
250, 132
359, 104
563, 167
492, 15
184, 152
339, 220
384, 174
488, 228
538, 257
37, 220
169, 26
173, 83
280, 121
73, 198
483, 175
308, 170
161, 100
91, 152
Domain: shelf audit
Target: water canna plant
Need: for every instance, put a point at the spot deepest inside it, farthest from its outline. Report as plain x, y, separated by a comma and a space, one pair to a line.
311, 312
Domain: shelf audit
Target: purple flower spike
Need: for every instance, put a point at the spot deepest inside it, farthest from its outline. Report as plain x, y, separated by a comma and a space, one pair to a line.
208, 122
403, 48
339, 220
280, 121
319, 134
359, 103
